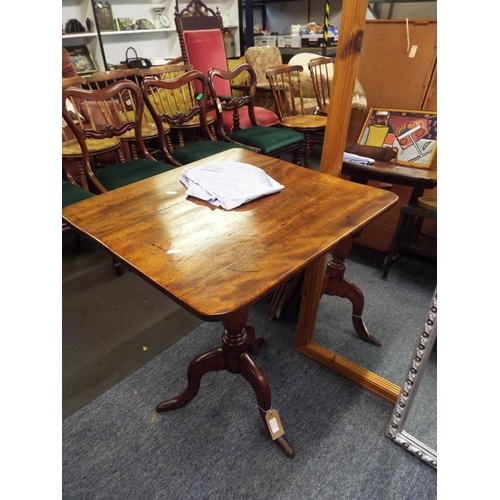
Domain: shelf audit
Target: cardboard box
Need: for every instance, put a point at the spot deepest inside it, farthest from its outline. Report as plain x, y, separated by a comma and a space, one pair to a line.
316, 40
292, 41
265, 40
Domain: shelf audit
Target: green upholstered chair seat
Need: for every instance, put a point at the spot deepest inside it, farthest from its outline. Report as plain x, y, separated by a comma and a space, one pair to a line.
73, 194
199, 150
267, 139
122, 174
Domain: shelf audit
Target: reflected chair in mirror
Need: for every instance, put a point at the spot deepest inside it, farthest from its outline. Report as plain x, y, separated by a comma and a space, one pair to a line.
321, 70
285, 81
271, 141
200, 31
102, 112
184, 105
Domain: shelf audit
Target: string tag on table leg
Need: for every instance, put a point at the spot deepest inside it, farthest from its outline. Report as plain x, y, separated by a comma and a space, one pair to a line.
274, 424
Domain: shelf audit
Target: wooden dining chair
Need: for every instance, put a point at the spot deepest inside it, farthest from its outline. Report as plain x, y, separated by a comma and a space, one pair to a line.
149, 130
271, 141
102, 111
321, 70
71, 151
179, 99
200, 30
72, 191
177, 102
288, 96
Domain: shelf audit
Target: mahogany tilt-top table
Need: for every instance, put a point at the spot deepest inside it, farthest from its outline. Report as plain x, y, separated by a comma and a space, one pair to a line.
217, 263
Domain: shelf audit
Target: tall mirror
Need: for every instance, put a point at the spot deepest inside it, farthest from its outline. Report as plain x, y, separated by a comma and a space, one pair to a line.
404, 297
393, 309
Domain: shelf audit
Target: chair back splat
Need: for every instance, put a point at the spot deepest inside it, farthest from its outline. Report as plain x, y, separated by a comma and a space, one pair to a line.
271, 141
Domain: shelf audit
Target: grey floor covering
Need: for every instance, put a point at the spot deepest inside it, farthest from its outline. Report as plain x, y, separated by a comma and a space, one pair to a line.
217, 447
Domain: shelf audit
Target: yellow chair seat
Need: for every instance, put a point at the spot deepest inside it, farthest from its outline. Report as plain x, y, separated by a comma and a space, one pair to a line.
71, 149
304, 122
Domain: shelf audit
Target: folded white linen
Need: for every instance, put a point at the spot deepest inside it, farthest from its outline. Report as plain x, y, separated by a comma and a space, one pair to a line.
228, 184
363, 160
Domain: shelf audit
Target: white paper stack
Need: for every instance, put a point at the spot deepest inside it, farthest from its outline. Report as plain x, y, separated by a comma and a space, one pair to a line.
228, 184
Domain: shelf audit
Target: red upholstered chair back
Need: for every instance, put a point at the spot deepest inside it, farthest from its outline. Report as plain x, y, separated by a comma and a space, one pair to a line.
205, 50
202, 44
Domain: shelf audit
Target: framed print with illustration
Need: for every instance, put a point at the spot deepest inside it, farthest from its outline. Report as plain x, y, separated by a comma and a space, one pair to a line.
81, 59
413, 134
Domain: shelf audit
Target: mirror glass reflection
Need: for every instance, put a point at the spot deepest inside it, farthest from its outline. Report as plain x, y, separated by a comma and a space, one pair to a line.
413, 423
422, 419
393, 313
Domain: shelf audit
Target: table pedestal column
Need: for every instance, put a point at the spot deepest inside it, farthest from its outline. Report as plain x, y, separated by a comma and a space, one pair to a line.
238, 341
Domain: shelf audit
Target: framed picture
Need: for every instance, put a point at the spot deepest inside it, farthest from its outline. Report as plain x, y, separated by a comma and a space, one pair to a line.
81, 59
124, 24
413, 134
104, 15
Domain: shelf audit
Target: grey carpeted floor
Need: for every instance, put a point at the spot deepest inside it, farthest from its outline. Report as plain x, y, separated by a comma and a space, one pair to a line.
110, 326
217, 447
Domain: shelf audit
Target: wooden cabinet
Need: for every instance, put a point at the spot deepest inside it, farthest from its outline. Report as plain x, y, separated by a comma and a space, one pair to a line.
393, 79
109, 47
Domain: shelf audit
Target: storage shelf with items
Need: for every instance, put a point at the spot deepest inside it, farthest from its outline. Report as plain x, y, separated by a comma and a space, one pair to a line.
81, 12
107, 37
145, 25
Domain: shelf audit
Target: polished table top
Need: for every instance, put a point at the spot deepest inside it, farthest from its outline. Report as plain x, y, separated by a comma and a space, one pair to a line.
215, 262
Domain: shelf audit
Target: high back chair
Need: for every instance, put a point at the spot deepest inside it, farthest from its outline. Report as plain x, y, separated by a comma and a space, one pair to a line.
101, 111
288, 96
163, 99
262, 58
200, 31
271, 141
